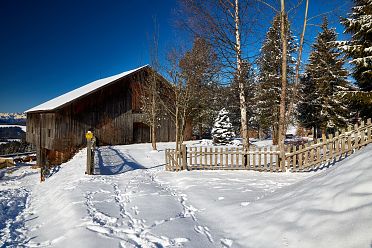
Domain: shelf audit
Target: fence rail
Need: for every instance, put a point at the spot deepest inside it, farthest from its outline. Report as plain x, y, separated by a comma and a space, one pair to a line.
300, 158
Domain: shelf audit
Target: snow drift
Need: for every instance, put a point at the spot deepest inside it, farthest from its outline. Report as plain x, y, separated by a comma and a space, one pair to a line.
330, 209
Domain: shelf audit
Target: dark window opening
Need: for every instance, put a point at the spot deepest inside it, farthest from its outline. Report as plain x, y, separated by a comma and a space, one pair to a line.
49, 132
141, 133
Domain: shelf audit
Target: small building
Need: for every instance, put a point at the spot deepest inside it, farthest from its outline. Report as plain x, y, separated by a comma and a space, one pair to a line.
111, 107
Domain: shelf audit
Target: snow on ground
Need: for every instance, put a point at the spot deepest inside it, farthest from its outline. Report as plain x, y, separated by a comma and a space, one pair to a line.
291, 129
235, 143
15, 190
22, 127
135, 203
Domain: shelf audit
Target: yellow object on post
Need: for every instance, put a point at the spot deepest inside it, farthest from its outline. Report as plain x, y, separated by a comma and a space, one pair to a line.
89, 135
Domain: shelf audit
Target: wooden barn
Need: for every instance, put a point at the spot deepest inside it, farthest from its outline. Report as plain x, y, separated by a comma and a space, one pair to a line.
109, 106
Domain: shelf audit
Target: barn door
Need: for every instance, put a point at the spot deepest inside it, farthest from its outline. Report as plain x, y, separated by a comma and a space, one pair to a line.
141, 133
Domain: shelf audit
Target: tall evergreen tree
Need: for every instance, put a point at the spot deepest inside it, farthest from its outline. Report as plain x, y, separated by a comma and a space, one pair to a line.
326, 70
308, 108
270, 68
359, 49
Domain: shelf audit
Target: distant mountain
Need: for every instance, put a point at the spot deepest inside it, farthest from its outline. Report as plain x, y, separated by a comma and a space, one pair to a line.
13, 118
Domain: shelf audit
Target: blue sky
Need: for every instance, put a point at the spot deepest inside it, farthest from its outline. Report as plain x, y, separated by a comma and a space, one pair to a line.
51, 47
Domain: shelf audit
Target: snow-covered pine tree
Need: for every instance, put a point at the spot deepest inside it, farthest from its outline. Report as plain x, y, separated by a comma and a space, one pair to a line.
222, 131
308, 108
326, 70
269, 76
359, 49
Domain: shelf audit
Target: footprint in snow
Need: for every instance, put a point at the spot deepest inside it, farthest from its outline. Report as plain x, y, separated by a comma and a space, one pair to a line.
226, 242
204, 231
99, 229
135, 209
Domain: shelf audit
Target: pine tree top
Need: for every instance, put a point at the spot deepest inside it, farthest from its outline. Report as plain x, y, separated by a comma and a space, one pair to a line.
359, 48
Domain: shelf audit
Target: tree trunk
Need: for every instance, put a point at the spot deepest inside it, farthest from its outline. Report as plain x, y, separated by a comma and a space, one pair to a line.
177, 128
153, 118
200, 131
260, 133
314, 132
153, 137
298, 63
243, 106
188, 129
282, 113
275, 134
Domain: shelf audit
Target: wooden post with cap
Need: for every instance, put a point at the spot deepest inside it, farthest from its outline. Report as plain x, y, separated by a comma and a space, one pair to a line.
89, 137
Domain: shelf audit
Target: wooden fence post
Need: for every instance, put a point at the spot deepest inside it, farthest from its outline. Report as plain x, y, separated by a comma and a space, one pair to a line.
89, 157
184, 157
369, 130
90, 152
282, 160
166, 158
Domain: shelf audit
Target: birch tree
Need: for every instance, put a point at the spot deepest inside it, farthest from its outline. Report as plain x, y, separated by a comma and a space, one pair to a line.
298, 63
220, 23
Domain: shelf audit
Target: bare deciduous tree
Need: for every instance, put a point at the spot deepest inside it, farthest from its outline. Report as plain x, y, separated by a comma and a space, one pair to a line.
149, 89
298, 64
178, 97
199, 69
220, 23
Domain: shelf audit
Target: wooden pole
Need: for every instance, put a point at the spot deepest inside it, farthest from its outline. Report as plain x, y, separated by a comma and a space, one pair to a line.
89, 157
184, 157
369, 130
271, 159
89, 137
210, 158
167, 159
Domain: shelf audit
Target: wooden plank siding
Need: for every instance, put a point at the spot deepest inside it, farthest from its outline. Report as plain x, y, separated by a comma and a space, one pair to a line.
108, 111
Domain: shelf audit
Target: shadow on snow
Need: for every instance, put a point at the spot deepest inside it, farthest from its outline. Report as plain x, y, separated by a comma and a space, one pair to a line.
110, 161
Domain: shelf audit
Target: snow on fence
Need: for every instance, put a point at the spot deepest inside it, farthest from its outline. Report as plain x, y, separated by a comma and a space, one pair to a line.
308, 157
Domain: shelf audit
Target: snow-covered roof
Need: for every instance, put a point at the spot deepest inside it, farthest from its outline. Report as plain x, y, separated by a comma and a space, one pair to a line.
79, 92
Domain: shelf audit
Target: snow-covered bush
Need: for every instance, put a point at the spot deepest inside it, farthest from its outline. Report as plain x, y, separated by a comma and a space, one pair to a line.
222, 131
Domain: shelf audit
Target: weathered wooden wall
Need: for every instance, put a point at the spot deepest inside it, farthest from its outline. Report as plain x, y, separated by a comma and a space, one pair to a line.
41, 129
